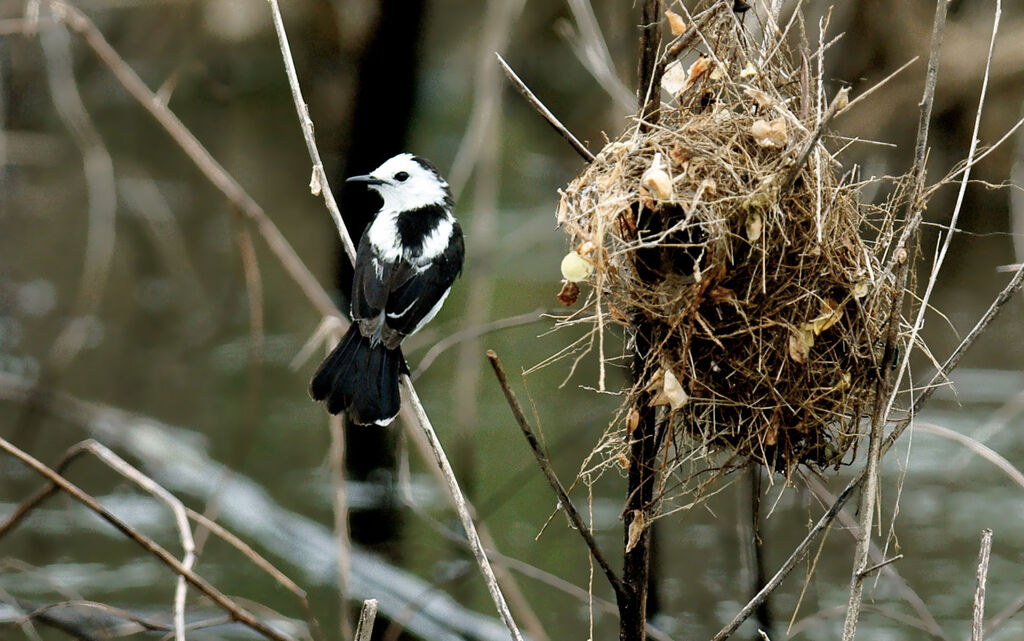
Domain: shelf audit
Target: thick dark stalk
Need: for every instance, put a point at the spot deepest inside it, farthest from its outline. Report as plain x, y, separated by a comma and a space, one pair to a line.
643, 448
643, 451
649, 72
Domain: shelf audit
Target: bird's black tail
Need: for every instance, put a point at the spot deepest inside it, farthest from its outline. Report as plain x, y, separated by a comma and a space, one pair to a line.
360, 378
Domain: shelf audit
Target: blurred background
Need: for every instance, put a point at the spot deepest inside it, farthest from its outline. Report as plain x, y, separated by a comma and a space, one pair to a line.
140, 307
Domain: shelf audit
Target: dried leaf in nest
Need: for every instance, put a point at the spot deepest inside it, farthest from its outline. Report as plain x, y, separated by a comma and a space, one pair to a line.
830, 315
754, 225
570, 294
679, 155
623, 460
636, 529
860, 290
763, 100
748, 71
632, 420
675, 22
844, 381
800, 343
575, 268
656, 180
674, 78
770, 133
617, 315
697, 69
667, 390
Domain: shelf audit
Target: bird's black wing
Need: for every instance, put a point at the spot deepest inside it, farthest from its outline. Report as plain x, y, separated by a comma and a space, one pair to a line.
415, 293
371, 282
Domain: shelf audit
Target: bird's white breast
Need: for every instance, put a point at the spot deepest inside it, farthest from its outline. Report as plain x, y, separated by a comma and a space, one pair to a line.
383, 236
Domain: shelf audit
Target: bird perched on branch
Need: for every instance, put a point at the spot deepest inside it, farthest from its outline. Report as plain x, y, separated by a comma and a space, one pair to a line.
406, 262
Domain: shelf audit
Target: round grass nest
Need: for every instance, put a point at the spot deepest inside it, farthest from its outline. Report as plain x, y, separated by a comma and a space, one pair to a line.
753, 277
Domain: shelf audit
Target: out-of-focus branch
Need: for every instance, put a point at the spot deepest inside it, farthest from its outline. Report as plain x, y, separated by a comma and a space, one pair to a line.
237, 613
101, 193
207, 165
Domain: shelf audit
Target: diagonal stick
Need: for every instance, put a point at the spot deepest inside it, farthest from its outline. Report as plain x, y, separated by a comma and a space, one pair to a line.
549, 473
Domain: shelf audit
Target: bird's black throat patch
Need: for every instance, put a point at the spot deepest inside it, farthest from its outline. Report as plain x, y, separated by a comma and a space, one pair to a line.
416, 224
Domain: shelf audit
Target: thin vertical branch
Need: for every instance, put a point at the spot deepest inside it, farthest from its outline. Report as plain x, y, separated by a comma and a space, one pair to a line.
978, 611
318, 181
649, 71
364, 631
643, 448
884, 389
339, 488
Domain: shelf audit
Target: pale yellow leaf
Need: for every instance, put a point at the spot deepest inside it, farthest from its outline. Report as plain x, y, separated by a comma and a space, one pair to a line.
575, 268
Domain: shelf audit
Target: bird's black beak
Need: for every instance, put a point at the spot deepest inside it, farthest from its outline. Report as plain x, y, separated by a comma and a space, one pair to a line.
366, 179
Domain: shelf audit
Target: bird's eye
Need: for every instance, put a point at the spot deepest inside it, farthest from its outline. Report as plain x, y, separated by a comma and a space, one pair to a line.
402, 176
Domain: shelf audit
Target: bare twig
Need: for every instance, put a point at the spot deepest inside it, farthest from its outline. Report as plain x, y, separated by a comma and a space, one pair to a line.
517, 600
544, 111
982, 450
237, 613
884, 389
1004, 616
849, 524
878, 85
878, 566
364, 630
1009, 291
978, 611
797, 555
552, 478
461, 507
318, 182
649, 72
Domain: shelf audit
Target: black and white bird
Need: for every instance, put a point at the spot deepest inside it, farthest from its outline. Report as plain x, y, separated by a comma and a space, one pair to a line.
406, 262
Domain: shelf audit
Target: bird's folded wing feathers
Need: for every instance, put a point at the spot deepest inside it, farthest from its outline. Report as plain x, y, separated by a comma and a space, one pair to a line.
411, 299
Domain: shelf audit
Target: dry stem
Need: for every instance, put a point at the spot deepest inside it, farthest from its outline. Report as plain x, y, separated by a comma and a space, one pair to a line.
237, 613
549, 473
978, 611
544, 111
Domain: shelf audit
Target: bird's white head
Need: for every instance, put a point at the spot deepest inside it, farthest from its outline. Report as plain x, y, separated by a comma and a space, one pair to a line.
406, 183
